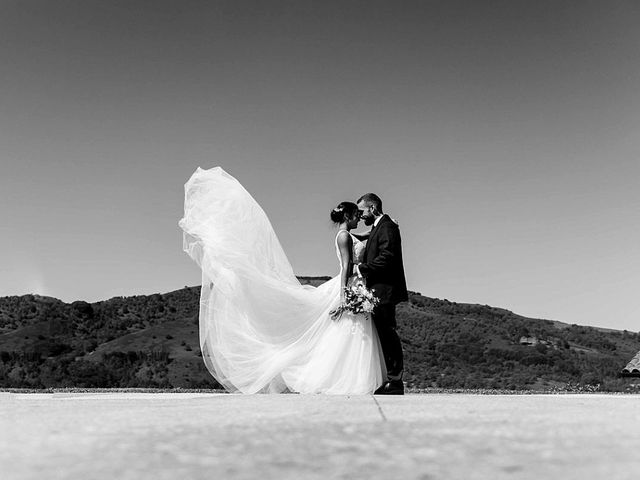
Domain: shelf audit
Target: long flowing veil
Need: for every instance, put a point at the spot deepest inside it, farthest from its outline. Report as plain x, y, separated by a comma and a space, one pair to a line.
257, 322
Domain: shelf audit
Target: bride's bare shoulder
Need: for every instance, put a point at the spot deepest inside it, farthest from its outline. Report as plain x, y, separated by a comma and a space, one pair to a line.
344, 238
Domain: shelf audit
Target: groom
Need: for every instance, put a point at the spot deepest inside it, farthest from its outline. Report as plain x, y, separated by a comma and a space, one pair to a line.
384, 274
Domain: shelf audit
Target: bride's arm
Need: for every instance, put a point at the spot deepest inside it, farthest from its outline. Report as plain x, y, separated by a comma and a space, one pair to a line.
345, 244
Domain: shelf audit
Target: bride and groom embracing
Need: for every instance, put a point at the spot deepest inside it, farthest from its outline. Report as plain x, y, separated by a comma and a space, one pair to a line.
260, 329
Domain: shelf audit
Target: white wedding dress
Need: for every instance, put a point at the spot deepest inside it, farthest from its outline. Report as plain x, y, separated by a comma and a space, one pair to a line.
260, 329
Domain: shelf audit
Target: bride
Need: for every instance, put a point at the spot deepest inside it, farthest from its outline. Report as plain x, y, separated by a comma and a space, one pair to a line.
260, 329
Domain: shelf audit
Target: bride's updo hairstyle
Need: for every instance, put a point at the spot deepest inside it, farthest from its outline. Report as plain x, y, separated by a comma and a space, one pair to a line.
343, 212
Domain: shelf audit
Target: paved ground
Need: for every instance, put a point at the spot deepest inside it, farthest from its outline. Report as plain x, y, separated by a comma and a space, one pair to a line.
97, 436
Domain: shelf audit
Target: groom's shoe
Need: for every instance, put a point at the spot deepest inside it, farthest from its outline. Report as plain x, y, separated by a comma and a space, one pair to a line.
391, 387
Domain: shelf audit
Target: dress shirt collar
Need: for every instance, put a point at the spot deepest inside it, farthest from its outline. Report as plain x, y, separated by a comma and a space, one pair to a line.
377, 220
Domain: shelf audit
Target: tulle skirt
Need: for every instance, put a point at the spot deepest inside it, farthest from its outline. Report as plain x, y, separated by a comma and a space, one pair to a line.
260, 329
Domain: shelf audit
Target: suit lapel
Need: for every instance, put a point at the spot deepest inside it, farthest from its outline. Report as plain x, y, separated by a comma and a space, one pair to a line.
382, 219
372, 234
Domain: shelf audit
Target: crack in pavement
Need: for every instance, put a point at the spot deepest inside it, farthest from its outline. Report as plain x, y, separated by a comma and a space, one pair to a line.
384, 417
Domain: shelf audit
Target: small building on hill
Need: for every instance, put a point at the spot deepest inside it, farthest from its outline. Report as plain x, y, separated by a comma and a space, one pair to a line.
633, 367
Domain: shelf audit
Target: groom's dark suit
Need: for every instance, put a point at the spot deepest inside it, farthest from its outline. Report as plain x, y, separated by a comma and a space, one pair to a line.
384, 274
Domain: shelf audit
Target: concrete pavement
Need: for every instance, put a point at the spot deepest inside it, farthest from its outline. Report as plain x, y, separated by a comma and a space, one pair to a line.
207, 436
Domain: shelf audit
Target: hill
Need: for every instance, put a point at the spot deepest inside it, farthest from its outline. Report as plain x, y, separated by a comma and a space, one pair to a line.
152, 341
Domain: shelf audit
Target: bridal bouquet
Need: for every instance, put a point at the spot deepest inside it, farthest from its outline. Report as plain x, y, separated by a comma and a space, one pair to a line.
357, 299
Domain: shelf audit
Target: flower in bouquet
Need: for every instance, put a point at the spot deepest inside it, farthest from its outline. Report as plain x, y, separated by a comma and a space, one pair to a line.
357, 299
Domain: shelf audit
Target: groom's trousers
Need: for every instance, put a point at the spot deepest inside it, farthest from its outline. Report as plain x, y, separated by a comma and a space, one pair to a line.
384, 319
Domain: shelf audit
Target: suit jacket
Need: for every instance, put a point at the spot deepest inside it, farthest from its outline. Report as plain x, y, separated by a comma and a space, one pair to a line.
382, 266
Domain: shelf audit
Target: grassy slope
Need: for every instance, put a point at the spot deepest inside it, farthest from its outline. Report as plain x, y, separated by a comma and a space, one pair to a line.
152, 341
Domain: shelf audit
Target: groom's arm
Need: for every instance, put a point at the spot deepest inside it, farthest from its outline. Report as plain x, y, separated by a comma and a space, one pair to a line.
388, 239
362, 236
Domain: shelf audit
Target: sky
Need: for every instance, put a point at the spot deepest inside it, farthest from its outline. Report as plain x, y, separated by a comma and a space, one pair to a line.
503, 136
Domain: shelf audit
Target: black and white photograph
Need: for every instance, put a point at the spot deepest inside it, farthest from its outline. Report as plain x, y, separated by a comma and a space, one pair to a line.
300, 239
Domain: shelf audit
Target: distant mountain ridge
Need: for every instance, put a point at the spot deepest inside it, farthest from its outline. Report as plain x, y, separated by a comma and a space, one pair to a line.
152, 341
